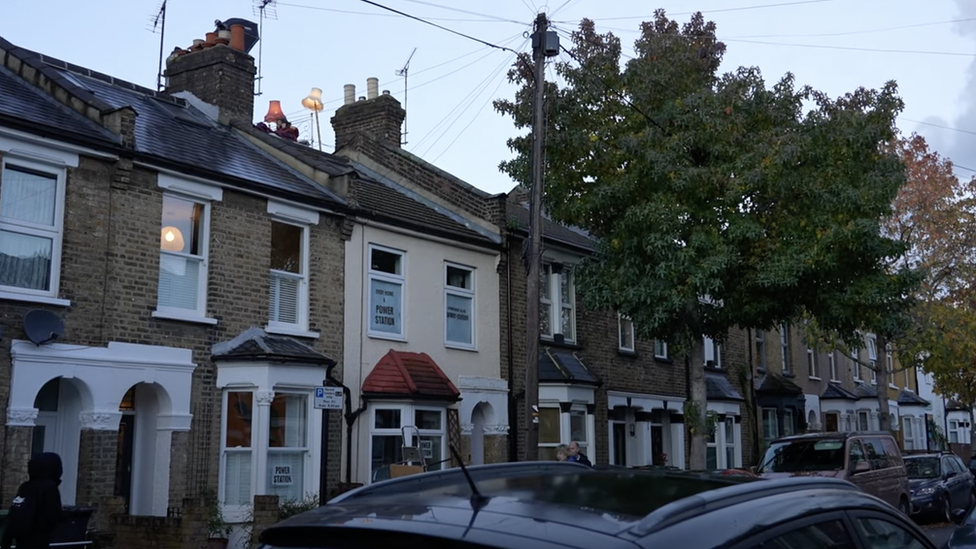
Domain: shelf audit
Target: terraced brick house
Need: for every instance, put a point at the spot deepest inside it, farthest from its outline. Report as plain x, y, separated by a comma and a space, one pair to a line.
198, 280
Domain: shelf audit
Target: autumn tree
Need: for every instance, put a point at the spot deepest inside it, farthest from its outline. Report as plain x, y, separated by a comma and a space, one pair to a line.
935, 213
717, 201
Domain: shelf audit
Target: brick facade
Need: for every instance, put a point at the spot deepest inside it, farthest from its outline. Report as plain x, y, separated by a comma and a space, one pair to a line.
219, 75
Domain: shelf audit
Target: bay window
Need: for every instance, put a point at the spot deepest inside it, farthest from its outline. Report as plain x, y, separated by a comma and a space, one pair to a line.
273, 464
770, 423
557, 311
31, 226
183, 257
424, 427
550, 433
459, 305
562, 425
720, 448
386, 282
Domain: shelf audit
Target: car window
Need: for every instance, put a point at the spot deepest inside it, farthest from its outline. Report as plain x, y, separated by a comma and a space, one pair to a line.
881, 534
857, 453
891, 449
923, 467
830, 534
875, 451
948, 465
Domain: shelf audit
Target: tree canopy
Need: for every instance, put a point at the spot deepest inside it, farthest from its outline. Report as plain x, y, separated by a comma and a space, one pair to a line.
717, 201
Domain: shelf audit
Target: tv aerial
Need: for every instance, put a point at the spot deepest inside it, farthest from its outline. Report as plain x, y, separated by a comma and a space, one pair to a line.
42, 326
403, 72
263, 8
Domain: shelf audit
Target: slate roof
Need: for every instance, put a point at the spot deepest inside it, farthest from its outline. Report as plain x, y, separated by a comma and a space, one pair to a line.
863, 390
718, 387
411, 375
835, 391
909, 398
563, 366
381, 196
777, 384
22, 102
168, 130
171, 129
254, 344
518, 216
328, 163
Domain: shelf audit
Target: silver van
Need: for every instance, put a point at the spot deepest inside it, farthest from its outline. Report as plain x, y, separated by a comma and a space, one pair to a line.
870, 460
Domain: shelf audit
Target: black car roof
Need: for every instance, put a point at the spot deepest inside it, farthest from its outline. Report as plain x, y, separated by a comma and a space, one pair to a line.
564, 504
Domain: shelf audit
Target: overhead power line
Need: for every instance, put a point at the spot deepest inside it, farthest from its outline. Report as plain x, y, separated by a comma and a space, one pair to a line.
934, 125
452, 31
459, 10
851, 48
374, 14
849, 33
741, 8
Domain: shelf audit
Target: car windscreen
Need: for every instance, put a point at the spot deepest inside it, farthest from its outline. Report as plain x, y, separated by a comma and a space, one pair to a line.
803, 455
927, 467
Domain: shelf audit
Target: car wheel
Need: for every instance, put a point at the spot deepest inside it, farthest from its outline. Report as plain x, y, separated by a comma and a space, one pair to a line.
946, 508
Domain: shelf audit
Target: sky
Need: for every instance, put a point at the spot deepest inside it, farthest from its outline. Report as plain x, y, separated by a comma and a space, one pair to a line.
836, 46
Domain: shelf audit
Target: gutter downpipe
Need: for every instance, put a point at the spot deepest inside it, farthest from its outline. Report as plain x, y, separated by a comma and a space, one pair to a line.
350, 417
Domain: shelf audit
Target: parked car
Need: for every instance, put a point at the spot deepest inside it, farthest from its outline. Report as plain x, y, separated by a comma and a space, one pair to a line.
940, 484
964, 536
870, 460
548, 505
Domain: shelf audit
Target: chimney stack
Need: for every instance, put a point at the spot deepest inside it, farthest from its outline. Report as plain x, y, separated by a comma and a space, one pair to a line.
377, 116
217, 73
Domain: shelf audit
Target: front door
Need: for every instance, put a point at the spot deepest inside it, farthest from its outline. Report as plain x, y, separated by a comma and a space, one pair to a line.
831, 423
123, 458
657, 446
619, 432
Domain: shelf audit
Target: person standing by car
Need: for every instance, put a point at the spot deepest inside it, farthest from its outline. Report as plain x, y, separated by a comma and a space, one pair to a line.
562, 452
577, 456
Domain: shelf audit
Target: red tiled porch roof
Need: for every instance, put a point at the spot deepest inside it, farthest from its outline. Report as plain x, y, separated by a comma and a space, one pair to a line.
411, 375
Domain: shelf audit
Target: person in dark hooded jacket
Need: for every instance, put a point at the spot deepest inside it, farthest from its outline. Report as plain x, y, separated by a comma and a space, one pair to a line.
37, 507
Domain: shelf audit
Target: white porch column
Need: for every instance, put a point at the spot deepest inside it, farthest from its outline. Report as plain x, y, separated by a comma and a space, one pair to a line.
677, 455
262, 431
643, 443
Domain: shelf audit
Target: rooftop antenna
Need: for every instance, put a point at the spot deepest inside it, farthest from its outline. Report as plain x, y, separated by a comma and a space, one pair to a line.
403, 72
159, 25
263, 8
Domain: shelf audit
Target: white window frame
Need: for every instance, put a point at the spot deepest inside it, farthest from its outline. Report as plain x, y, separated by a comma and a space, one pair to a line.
832, 361
263, 447
222, 481
813, 369
855, 365
711, 351
867, 420
407, 419
774, 413
907, 386
784, 343
55, 232
760, 345
468, 293
890, 364
562, 428
873, 358
661, 349
729, 425
555, 303
622, 323
200, 313
301, 326
954, 431
389, 278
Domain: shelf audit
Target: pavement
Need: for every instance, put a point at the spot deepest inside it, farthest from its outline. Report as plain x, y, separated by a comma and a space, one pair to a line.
939, 532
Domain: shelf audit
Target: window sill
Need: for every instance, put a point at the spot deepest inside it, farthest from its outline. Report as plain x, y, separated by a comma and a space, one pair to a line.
627, 352
814, 378
564, 345
664, 359
13, 296
832, 380
892, 386
789, 374
296, 332
713, 369
460, 347
183, 317
388, 337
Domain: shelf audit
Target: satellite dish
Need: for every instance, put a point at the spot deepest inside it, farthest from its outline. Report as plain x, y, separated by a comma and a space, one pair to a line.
42, 326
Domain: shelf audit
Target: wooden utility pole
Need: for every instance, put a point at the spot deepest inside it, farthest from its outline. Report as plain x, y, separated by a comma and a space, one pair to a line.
542, 46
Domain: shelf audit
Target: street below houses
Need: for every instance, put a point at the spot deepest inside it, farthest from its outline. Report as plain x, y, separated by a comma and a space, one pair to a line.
939, 532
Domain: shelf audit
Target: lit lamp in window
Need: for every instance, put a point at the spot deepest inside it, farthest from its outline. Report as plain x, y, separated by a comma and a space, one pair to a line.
171, 239
314, 103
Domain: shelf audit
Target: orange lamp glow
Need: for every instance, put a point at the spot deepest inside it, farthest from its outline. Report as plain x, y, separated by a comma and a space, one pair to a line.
274, 112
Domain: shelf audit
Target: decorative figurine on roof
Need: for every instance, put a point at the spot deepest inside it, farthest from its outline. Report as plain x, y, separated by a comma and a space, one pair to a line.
283, 127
